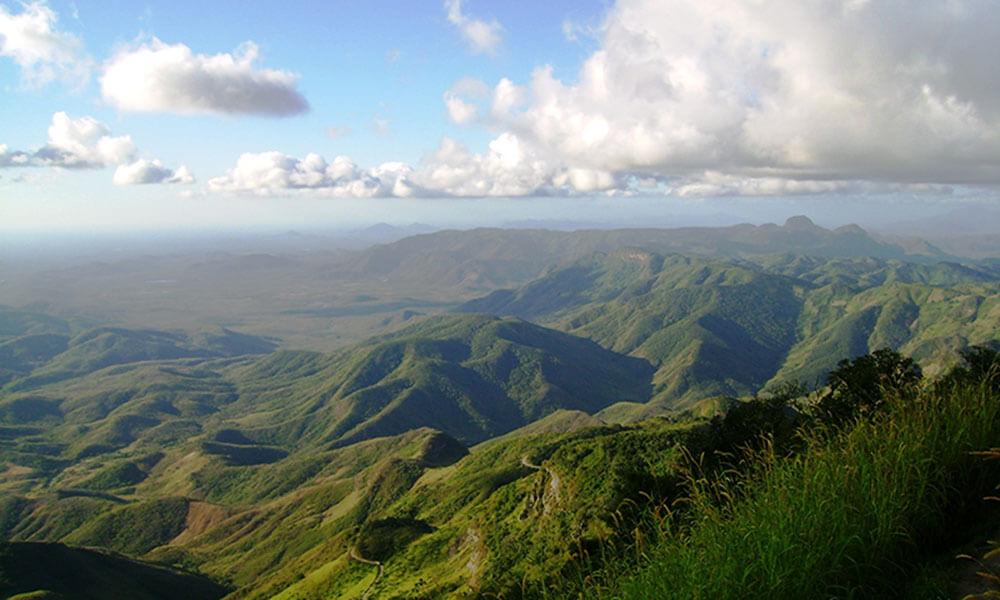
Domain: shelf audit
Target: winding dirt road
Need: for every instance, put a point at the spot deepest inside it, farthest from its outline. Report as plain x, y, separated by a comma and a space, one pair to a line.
353, 555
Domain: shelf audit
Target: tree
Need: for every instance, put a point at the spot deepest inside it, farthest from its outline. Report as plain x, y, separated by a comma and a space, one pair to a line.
980, 366
861, 386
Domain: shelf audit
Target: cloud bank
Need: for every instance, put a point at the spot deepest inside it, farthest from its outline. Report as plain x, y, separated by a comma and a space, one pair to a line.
159, 77
273, 172
507, 169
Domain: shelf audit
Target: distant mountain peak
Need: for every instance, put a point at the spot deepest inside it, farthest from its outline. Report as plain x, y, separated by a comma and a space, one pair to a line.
851, 228
800, 222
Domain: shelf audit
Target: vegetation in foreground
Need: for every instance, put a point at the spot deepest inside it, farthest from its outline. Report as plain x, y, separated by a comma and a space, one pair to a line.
853, 514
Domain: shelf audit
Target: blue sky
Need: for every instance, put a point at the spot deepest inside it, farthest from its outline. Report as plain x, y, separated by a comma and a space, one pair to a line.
450, 110
357, 61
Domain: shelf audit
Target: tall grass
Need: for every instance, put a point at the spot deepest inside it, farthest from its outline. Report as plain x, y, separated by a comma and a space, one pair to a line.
845, 518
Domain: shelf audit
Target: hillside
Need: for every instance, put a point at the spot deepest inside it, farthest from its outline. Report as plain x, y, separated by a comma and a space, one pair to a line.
53, 357
54, 572
472, 377
210, 484
733, 327
441, 520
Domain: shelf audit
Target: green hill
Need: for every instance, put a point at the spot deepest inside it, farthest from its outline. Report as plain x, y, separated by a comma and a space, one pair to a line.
733, 327
55, 571
16, 322
57, 358
472, 377
515, 514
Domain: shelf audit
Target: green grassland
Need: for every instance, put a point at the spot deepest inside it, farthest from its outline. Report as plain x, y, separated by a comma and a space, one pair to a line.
856, 514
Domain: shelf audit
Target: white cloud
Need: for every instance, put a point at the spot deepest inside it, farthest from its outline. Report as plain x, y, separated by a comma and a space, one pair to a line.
145, 171
267, 173
746, 97
459, 111
456, 100
768, 91
508, 168
87, 143
481, 36
506, 97
159, 77
13, 158
43, 53
82, 144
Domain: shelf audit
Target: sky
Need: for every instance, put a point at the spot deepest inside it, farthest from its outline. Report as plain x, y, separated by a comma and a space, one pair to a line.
121, 115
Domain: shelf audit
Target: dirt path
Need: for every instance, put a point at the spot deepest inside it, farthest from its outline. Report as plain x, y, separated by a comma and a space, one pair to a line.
353, 555
527, 463
553, 477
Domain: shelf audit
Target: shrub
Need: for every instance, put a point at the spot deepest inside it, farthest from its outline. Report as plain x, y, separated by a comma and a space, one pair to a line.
862, 385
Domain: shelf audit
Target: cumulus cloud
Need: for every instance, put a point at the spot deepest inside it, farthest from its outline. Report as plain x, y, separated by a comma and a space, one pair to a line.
43, 53
13, 158
744, 97
459, 111
273, 172
506, 97
159, 77
819, 92
83, 143
145, 171
508, 168
482, 36
87, 143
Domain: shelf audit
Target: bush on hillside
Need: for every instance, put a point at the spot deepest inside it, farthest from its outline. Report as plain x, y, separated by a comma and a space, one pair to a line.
862, 385
980, 365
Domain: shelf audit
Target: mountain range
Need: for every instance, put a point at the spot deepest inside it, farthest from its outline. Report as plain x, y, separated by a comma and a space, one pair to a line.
480, 444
